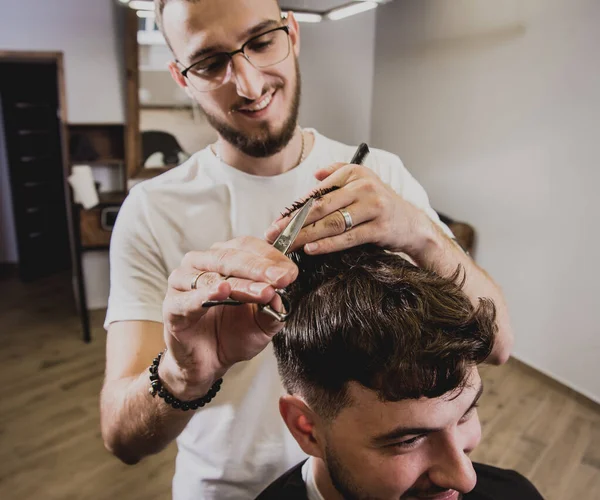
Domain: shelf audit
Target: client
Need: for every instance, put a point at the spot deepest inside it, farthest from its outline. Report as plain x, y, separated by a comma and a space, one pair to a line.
379, 358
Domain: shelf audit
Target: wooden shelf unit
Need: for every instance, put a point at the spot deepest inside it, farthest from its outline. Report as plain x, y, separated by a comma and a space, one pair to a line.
98, 144
104, 163
112, 198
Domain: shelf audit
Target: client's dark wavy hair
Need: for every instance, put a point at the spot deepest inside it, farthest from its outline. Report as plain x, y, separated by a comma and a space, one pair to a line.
369, 316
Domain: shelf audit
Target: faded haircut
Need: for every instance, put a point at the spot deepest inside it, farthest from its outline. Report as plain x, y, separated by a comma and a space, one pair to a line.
369, 316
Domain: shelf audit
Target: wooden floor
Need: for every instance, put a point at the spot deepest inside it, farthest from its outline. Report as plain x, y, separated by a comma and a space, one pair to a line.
50, 445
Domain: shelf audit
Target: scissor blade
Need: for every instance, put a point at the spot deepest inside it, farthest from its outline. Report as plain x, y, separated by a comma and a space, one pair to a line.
287, 237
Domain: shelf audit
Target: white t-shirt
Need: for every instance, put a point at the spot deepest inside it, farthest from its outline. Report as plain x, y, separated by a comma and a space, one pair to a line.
238, 444
308, 475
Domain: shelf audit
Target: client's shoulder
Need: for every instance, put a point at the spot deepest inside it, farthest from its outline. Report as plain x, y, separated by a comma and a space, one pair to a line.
289, 486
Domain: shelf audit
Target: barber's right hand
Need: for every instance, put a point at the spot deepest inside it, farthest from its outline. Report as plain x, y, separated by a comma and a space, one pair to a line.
203, 343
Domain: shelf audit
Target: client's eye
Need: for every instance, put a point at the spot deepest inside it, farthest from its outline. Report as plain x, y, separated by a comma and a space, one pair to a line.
410, 443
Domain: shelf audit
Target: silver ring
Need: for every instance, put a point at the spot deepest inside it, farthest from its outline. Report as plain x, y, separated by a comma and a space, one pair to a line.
196, 278
347, 219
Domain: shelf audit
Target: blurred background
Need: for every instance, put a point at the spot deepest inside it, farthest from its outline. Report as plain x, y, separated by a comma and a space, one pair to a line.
493, 106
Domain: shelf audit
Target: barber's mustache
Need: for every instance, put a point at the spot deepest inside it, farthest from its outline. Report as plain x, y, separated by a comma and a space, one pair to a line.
246, 102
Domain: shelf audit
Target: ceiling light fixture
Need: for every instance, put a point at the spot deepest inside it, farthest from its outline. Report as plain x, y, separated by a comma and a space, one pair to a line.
141, 5
307, 17
350, 10
145, 9
145, 13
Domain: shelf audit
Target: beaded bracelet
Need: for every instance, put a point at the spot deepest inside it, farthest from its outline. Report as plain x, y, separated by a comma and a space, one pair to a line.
157, 388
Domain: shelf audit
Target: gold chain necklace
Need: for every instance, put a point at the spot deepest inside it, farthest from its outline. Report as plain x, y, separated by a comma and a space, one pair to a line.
302, 152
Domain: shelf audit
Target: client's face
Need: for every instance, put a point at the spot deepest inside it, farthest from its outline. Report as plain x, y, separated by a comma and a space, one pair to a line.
411, 449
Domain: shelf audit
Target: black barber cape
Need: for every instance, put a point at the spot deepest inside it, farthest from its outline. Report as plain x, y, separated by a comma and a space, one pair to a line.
492, 484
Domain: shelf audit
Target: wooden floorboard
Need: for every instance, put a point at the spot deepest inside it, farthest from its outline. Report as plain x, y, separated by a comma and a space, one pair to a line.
51, 447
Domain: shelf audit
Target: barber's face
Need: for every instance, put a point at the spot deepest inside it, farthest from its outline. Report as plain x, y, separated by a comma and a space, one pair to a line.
256, 110
411, 449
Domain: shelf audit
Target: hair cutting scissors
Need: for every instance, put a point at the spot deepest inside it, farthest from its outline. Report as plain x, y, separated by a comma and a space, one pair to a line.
283, 243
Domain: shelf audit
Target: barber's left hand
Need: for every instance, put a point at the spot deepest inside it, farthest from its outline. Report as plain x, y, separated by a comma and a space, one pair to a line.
379, 215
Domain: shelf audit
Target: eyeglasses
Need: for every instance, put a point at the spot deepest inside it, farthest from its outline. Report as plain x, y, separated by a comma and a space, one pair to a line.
262, 51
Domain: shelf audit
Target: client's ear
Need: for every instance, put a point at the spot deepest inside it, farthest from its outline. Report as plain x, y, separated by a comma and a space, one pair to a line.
303, 423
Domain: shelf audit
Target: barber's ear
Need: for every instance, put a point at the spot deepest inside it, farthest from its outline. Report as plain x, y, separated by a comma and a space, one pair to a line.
303, 424
294, 32
177, 76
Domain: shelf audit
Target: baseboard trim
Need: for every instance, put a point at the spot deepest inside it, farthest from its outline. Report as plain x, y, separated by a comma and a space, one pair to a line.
582, 396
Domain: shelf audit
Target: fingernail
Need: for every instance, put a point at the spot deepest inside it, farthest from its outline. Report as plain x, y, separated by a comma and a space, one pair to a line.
270, 232
258, 288
311, 247
275, 273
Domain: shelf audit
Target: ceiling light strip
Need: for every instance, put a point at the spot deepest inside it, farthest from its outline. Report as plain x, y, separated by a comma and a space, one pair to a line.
145, 9
141, 5
308, 17
350, 10
144, 14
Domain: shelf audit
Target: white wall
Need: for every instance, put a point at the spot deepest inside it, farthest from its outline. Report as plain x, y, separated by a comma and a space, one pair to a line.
337, 61
495, 107
96, 270
88, 33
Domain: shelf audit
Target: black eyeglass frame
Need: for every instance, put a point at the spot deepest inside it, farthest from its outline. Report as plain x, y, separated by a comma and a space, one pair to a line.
285, 28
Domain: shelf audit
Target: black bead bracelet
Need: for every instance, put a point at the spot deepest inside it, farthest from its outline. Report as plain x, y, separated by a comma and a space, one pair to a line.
157, 388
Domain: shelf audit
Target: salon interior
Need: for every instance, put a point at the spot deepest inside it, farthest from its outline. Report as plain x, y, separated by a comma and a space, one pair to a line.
494, 108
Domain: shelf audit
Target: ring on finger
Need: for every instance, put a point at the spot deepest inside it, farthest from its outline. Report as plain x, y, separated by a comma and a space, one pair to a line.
196, 278
347, 219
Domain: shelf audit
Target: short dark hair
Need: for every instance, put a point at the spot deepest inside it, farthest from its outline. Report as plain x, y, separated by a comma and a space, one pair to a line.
370, 316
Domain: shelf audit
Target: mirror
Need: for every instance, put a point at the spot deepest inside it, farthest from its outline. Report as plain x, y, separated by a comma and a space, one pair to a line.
166, 125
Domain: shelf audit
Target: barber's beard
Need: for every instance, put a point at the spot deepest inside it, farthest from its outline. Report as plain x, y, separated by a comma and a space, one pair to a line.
263, 142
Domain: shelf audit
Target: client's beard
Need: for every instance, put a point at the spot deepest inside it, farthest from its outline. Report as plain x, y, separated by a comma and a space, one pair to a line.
342, 479
343, 482
265, 142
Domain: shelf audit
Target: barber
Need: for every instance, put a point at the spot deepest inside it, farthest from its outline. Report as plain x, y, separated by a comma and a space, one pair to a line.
208, 377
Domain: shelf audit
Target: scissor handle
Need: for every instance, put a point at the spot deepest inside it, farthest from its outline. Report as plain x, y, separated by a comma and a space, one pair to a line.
281, 317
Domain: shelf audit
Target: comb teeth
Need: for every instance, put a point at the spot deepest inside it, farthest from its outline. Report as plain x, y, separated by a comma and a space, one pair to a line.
315, 196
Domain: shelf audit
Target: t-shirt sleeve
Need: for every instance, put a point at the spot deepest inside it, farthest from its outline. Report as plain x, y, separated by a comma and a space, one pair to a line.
138, 276
392, 171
